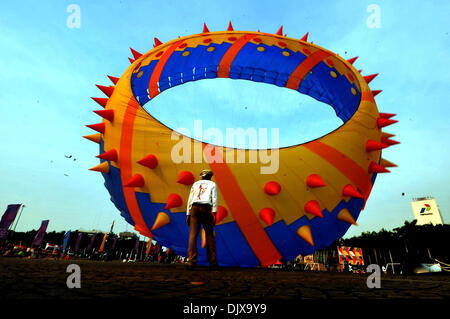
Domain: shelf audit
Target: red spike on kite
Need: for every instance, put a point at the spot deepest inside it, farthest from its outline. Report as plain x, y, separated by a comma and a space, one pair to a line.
313, 207
99, 127
376, 92
230, 27
267, 215
113, 79
150, 161
376, 168
221, 214
352, 60
106, 114
107, 90
186, 178
387, 115
174, 200
157, 42
101, 100
131, 60
136, 181
382, 122
369, 78
387, 141
136, 54
350, 191
272, 188
205, 28
314, 180
372, 145
111, 155
280, 31
305, 37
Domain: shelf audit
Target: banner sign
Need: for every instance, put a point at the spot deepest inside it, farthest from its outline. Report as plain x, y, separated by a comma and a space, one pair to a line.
77, 244
91, 243
352, 256
40, 234
7, 219
66, 240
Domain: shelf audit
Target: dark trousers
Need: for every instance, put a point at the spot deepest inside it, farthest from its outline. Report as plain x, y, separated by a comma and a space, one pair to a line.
201, 216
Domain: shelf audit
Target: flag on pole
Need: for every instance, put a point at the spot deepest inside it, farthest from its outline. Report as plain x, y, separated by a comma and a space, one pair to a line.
77, 244
102, 246
40, 234
137, 245
66, 240
114, 242
91, 243
7, 219
149, 245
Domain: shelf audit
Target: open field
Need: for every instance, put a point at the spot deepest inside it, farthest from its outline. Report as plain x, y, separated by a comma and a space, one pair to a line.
46, 278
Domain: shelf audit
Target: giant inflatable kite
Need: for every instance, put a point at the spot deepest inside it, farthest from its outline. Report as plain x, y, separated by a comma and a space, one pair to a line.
320, 186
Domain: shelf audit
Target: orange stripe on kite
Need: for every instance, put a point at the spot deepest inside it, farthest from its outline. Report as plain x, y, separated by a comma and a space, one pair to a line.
126, 141
153, 89
224, 66
304, 67
355, 173
242, 212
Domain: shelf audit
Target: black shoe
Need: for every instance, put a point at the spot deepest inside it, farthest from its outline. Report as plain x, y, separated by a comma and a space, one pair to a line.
215, 267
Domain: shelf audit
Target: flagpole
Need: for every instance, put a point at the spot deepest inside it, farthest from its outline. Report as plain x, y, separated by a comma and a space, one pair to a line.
20, 214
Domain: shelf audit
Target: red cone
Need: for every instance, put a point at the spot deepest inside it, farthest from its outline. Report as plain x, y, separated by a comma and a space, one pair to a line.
150, 161
372, 145
186, 178
101, 100
108, 90
267, 215
221, 214
387, 115
136, 181
230, 27
305, 37
280, 31
313, 207
113, 79
111, 155
99, 127
352, 60
136, 54
106, 114
272, 188
388, 141
174, 200
157, 42
369, 78
382, 122
314, 180
205, 28
376, 92
350, 191
376, 168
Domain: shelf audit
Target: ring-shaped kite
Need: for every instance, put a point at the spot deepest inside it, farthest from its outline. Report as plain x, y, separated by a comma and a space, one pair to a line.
320, 187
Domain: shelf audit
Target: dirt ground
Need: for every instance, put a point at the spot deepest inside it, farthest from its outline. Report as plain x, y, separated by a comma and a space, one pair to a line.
46, 278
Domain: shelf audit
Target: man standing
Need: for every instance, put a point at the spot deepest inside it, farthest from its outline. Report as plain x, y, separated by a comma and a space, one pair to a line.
201, 210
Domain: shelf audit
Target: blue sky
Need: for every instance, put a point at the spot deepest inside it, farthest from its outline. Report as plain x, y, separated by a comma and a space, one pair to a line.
48, 72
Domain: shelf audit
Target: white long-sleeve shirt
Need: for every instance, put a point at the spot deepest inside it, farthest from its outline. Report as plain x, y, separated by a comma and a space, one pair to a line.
203, 192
